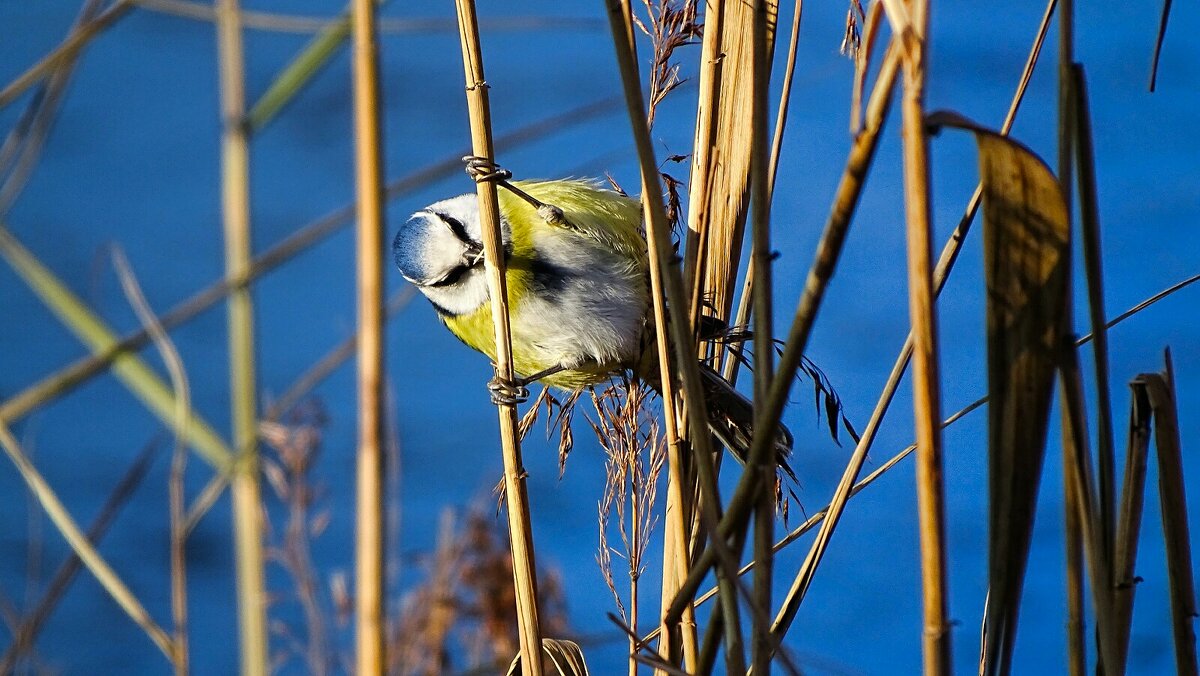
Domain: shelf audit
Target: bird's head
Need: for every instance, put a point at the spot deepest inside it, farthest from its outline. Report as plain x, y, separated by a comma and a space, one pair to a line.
439, 249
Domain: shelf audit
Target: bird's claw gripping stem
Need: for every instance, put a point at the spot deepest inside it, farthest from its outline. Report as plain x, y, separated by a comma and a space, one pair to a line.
507, 392
482, 169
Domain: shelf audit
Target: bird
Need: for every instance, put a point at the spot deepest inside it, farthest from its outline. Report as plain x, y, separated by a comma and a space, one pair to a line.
577, 272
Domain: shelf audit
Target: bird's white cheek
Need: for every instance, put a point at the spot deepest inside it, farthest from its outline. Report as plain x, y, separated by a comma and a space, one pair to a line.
462, 298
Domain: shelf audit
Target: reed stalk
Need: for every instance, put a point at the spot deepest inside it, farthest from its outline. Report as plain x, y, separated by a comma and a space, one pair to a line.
175, 497
827, 512
62, 520
666, 281
66, 50
742, 316
134, 373
764, 335
1073, 542
1173, 505
24, 634
516, 496
369, 522
822, 269
926, 378
235, 205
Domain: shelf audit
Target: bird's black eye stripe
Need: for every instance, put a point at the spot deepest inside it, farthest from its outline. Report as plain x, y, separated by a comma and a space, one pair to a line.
451, 277
457, 227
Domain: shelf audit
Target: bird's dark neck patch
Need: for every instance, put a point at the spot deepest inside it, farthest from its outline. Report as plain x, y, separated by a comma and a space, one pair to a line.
547, 279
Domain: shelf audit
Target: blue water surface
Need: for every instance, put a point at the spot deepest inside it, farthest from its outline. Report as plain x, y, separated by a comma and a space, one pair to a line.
133, 160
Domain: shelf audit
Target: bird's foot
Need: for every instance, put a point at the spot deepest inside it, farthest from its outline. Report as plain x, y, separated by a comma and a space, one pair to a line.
482, 169
507, 392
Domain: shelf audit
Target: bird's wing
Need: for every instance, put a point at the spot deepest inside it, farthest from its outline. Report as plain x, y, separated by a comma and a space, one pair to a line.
600, 214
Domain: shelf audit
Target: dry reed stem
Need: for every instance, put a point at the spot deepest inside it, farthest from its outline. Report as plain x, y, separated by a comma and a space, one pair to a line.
946, 260
666, 280
69, 47
742, 316
847, 196
768, 416
824, 513
1089, 229
766, 465
80, 544
681, 505
24, 633
235, 202
517, 499
923, 315
175, 498
369, 513
1073, 541
849, 188
1173, 505
712, 69
133, 373
111, 350
1129, 517
1076, 448
821, 515
719, 195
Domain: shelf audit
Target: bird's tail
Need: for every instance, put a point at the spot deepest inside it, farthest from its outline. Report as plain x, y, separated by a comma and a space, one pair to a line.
731, 420
730, 413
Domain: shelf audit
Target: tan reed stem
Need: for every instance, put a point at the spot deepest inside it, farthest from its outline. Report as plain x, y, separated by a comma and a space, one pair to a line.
369, 503
874, 120
235, 200
764, 332
926, 378
175, 488
742, 316
516, 497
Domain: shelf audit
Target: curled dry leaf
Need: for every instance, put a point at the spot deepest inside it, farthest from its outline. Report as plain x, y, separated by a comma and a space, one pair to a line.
1026, 235
566, 656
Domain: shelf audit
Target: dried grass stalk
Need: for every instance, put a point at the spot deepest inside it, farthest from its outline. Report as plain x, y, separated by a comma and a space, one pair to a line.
1177, 541
926, 377
179, 382
369, 500
79, 542
718, 200
520, 528
235, 204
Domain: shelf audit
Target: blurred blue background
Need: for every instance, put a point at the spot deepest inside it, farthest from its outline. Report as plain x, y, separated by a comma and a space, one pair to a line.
134, 160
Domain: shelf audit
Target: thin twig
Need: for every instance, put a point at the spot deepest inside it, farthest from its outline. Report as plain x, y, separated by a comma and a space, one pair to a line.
26, 632
179, 382
79, 542
69, 47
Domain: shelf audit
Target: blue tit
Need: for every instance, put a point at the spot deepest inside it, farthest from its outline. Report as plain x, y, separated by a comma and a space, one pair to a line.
578, 290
